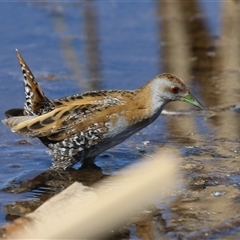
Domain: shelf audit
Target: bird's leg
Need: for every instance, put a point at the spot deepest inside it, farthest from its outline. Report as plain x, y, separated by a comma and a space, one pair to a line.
88, 163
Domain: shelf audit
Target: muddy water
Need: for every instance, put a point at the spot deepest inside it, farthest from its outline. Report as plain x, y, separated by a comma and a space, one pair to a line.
75, 47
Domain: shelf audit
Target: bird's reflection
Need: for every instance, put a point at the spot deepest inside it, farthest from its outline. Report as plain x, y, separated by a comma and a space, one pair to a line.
47, 184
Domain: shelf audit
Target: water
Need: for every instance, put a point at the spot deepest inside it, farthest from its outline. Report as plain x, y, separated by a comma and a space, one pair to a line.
75, 47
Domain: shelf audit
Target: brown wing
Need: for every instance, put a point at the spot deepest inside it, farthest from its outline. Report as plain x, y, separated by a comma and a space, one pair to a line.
60, 123
109, 97
12, 122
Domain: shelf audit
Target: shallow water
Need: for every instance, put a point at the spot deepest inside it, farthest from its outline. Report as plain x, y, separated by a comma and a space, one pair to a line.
75, 47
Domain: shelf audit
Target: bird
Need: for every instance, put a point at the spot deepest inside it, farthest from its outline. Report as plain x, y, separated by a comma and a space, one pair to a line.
79, 127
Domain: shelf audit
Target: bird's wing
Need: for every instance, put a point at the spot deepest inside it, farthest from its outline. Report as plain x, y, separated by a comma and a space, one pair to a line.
64, 121
100, 97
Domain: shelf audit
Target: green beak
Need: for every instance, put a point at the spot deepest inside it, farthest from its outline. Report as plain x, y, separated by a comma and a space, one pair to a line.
189, 98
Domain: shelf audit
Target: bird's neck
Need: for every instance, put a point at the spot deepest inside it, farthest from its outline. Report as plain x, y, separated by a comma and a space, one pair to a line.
150, 98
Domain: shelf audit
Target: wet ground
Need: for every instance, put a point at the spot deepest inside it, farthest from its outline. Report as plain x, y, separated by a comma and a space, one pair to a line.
75, 47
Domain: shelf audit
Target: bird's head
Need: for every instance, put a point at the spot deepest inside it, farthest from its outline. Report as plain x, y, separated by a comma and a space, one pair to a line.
167, 87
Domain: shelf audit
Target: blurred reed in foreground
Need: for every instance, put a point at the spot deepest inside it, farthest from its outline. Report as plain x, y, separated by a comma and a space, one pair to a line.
83, 212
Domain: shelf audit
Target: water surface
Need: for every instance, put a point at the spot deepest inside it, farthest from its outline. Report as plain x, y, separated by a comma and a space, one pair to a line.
82, 46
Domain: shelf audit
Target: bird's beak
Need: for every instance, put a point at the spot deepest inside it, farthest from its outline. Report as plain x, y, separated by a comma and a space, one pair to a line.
189, 98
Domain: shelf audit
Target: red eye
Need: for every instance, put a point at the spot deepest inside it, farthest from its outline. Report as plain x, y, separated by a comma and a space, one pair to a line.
175, 89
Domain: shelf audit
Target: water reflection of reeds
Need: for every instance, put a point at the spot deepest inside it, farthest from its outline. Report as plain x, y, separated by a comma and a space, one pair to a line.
209, 64
86, 73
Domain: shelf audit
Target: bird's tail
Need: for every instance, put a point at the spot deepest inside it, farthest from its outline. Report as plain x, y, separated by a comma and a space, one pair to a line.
36, 102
